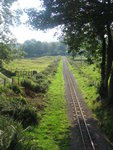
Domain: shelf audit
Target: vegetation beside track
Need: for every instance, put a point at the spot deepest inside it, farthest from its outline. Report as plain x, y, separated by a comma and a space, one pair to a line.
22, 108
53, 130
88, 78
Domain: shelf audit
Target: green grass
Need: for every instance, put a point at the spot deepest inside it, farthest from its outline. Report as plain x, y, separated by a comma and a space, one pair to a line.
88, 78
38, 64
53, 130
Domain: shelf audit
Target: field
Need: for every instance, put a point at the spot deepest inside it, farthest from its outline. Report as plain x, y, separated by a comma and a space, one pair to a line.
31, 64
19, 69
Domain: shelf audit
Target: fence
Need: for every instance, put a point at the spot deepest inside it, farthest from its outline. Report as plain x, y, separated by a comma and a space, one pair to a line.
20, 75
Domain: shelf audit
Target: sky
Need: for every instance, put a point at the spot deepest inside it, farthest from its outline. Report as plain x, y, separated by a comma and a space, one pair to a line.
23, 33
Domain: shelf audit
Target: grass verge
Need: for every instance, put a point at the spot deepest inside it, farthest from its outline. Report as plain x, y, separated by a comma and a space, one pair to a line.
53, 130
87, 77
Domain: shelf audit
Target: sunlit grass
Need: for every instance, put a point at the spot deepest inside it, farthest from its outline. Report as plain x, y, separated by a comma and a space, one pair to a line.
53, 130
38, 64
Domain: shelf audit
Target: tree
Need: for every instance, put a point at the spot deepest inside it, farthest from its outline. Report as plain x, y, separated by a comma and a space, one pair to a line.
5, 54
89, 19
7, 18
35, 48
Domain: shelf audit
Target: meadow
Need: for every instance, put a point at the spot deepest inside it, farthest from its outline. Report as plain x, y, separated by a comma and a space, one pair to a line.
30, 64
19, 69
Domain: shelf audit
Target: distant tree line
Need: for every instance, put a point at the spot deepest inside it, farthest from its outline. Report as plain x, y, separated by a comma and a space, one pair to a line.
34, 48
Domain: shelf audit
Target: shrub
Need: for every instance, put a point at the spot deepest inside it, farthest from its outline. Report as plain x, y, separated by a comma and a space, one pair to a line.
13, 137
19, 111
16, 88
39, 85
11, 134
28, 84
7, 72
28, 117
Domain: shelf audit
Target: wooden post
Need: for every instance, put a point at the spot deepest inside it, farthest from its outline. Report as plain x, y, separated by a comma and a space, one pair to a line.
18, 80
4, 82
12, 81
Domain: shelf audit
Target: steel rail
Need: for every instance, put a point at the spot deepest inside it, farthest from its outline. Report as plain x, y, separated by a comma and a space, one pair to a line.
75, 101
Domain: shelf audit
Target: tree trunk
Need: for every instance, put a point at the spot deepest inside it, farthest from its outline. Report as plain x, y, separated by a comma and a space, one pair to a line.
110, 98
102, 89
109, 59
103, 60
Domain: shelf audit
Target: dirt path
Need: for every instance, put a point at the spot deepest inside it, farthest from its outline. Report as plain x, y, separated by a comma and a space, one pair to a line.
76, 141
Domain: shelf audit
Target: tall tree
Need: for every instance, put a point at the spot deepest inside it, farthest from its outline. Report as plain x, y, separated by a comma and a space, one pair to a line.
88, 20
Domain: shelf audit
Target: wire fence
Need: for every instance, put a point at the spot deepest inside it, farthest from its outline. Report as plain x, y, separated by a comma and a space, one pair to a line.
20, 75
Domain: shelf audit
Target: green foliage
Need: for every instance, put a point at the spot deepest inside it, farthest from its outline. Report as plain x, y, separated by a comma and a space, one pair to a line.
35, 48
39, 82
11, 134
19, 111
8, 73
16, 89
30, 85
89, 26
6, 20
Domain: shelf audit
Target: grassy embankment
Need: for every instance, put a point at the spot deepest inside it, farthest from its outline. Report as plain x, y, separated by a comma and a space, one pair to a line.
53, 130
28, 119
88, 78
22, 106
19, 69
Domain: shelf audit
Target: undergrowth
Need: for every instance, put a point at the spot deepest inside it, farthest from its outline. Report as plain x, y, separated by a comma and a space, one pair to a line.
22, 107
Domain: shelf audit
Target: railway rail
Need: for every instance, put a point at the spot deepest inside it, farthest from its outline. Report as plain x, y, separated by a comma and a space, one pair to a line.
78, 112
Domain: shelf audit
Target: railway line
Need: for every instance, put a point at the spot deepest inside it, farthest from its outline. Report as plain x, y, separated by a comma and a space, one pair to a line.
78, 112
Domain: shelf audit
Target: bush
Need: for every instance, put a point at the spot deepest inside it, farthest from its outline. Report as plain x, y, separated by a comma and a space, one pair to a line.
13, 137
19, 111
28, 84
40, 85
7, 72
11, 134
28, 117
16, 88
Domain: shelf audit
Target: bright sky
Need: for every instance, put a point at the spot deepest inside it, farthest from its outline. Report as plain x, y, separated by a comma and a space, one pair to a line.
23, 33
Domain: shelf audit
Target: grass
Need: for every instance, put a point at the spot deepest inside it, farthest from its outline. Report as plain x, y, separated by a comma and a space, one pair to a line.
88, 77
25, 106
53, 130
37, 64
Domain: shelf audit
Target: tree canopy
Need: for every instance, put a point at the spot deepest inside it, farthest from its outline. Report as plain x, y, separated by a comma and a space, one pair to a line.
86, 24
7, 18
35, 48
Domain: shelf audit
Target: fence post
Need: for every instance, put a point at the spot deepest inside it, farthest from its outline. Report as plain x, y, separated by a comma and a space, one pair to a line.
12, 81
4, 82
18, 80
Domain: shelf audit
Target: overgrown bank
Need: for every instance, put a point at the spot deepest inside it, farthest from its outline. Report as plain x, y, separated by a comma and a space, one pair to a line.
88, 79
22, 107
53, 130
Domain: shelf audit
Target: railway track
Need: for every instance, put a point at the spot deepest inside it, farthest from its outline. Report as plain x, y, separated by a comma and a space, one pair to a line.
78, 112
